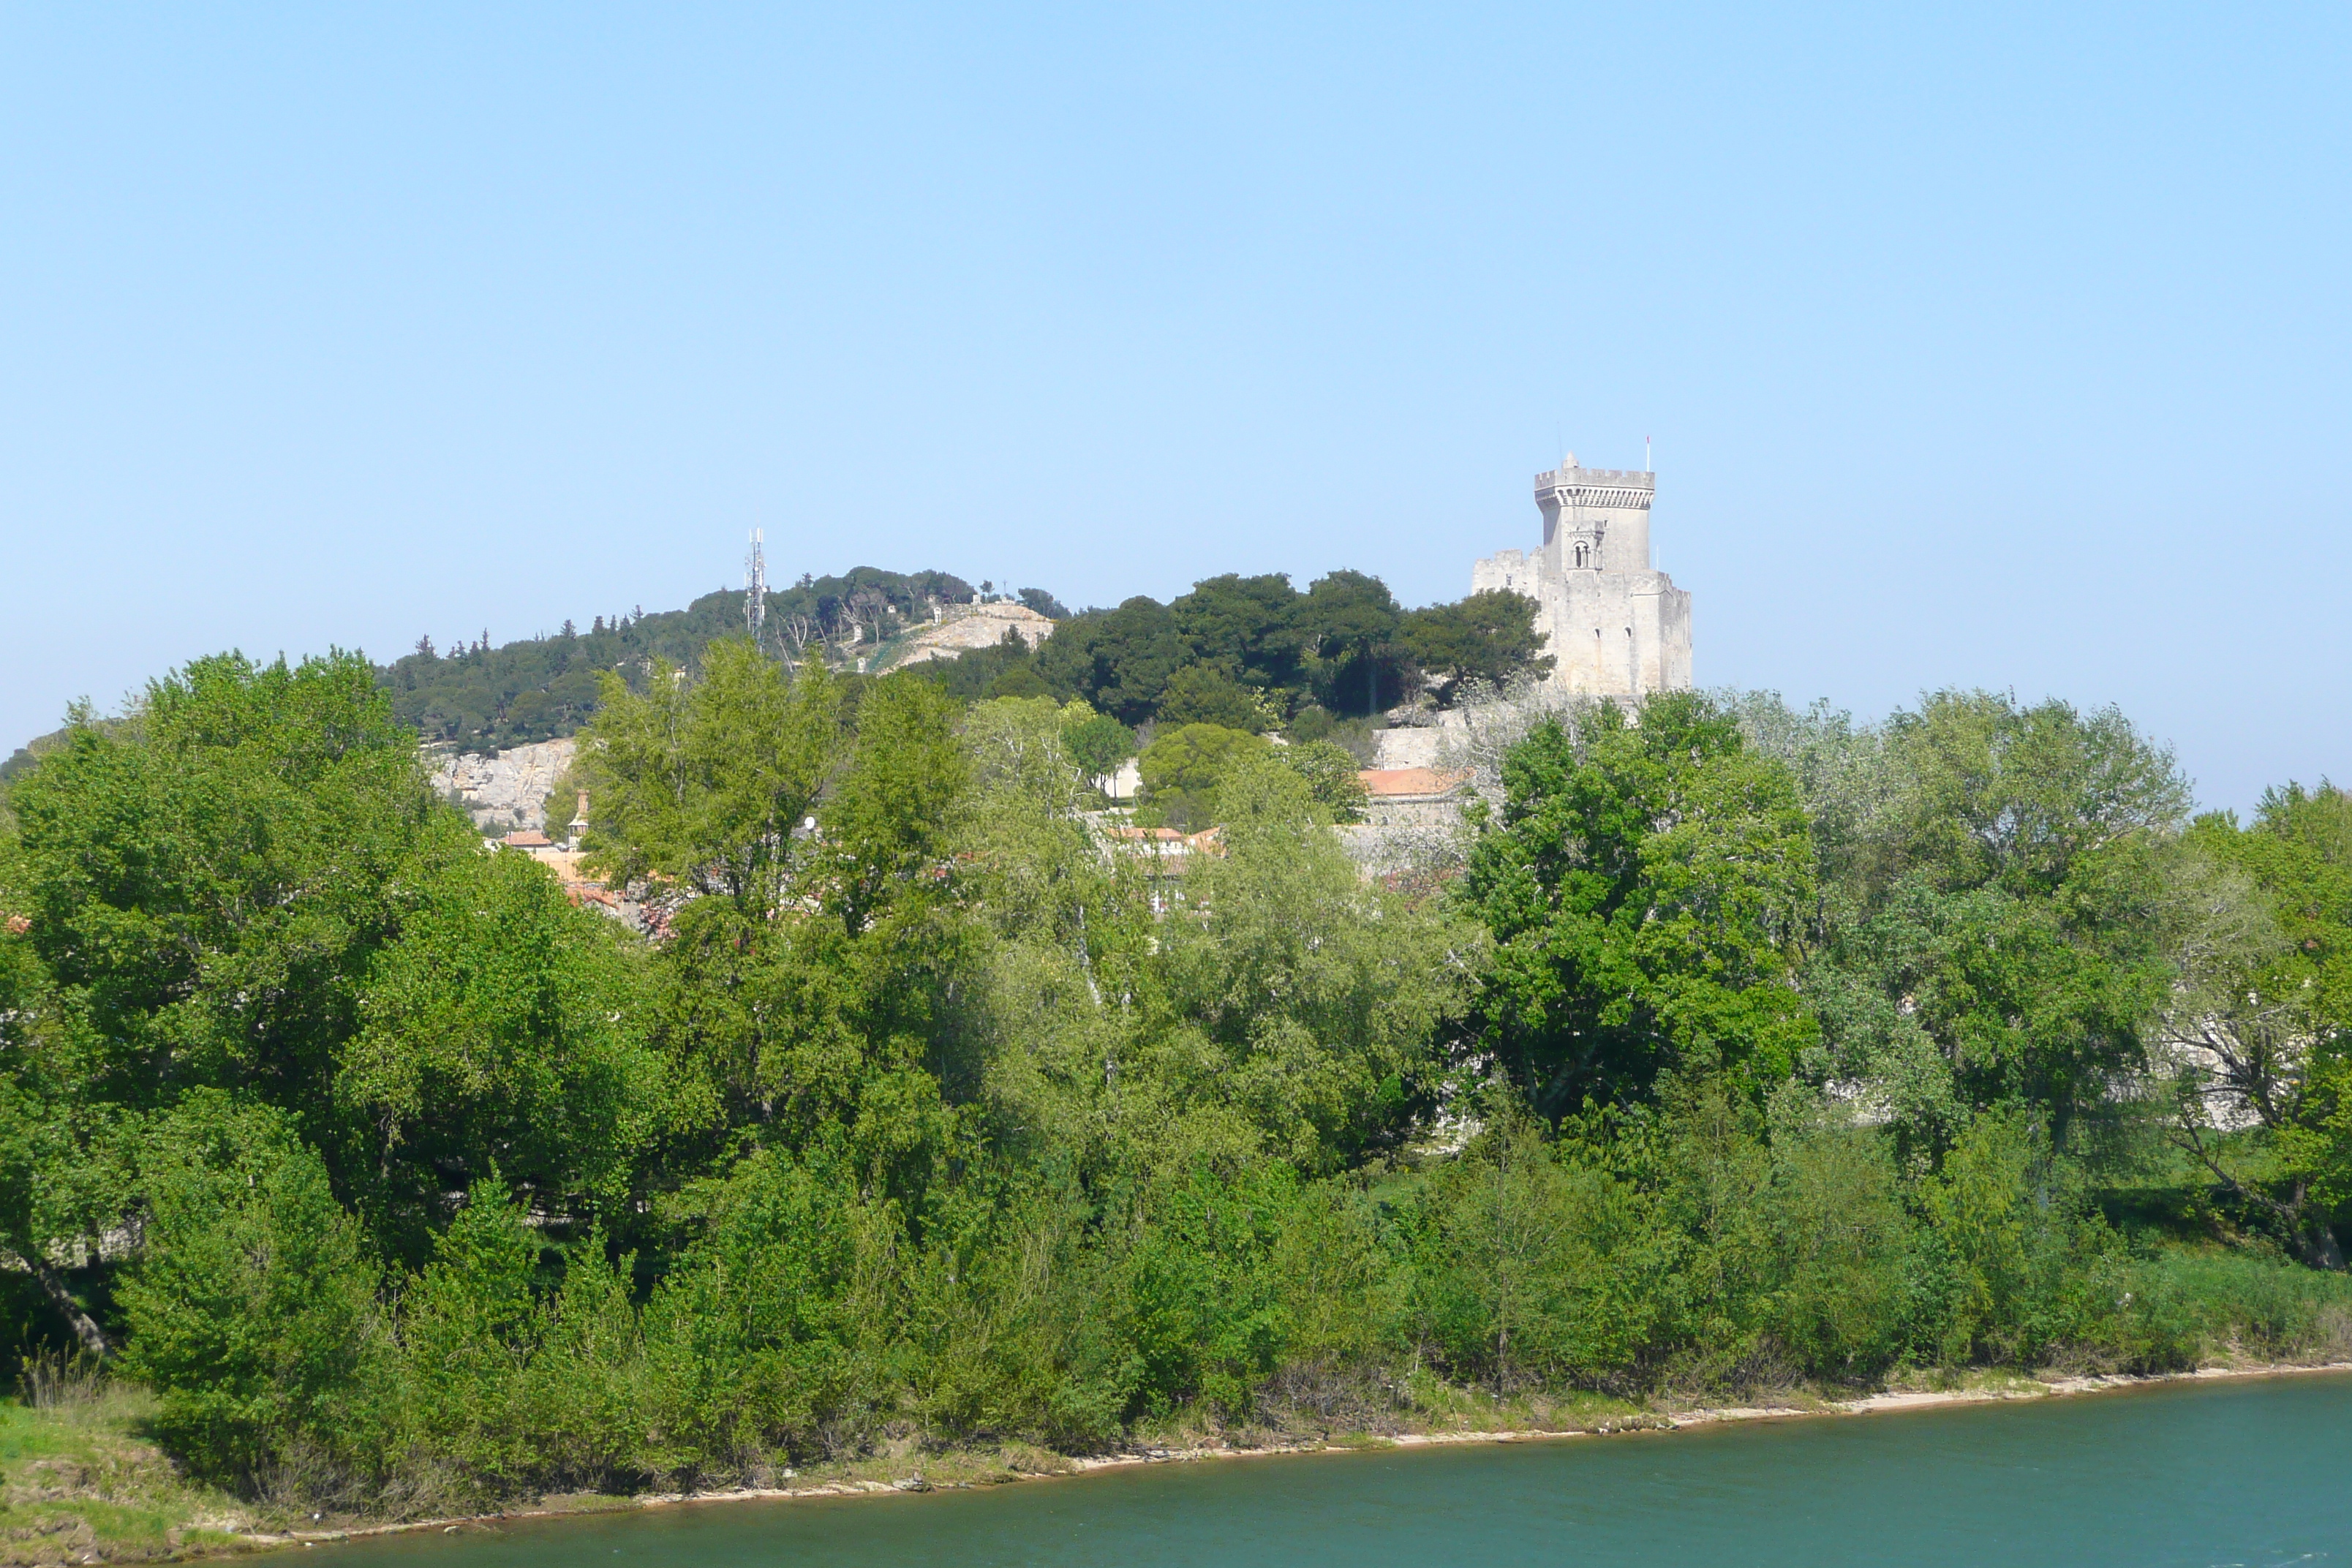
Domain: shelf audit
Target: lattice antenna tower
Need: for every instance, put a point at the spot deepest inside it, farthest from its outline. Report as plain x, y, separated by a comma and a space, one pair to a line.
755, 587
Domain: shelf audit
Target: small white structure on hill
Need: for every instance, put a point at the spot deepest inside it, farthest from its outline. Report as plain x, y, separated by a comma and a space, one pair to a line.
1614, 625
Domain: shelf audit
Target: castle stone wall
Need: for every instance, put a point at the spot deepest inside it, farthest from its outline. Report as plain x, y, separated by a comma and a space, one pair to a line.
1615, 626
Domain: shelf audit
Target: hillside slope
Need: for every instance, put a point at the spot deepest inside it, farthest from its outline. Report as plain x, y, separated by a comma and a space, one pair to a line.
480, 698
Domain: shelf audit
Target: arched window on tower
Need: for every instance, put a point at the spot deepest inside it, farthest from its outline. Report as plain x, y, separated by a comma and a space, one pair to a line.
1581, 556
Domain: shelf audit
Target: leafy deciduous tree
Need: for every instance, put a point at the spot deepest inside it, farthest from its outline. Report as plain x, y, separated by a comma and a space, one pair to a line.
1647, 887
708, 781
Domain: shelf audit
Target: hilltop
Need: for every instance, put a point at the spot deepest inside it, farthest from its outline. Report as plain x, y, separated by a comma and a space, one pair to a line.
1253, 652
477, 696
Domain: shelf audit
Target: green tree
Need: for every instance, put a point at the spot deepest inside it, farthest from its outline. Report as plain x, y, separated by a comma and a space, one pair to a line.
1529, 1269
1354, 620
65, 1176
1646, 888
775, 1329
205, 888
1020, 680
1323, 998
827, 992
1488, 638
1044, 604
2018, 1249
1120, 661
252, 1311
2006, 899
1202, 694
67, 1151
885, 828
469, 1322
1332, 776
2258, 1029
1098, 744
708, 781
533, 689
1844, 1252
1249, 629
503, 1026
1182, 768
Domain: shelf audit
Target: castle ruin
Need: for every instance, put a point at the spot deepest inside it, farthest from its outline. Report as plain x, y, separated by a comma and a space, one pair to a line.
1616, 626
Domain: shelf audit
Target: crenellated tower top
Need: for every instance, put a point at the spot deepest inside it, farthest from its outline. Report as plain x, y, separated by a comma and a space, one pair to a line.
1610, 490
1595, 520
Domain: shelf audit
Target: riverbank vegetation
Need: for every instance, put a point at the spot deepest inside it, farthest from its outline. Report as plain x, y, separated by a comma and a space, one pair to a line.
1743, 1049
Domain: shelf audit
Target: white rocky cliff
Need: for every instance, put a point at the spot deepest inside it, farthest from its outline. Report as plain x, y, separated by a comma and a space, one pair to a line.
505, 791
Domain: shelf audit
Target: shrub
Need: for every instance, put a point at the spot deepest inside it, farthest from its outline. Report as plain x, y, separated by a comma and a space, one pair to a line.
253, 1310
1843, 1252
1529, 1270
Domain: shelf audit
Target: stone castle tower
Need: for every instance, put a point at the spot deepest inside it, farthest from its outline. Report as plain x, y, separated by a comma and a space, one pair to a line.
1616, 627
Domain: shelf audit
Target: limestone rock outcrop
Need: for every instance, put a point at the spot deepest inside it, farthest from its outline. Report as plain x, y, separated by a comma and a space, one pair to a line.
505, 791
961, 628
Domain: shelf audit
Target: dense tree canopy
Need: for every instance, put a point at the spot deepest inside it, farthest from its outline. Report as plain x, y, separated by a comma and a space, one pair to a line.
1185, 767
1255, 653
478, 697
1487, 638
1726, 1048
2002, 881
1243, 652
1117, 661
1248, 629
709, 783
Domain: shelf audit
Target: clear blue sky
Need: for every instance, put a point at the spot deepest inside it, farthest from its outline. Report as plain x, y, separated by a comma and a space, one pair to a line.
1982, 346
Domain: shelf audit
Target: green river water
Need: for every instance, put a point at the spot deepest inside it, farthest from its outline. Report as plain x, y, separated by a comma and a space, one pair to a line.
2254, 1473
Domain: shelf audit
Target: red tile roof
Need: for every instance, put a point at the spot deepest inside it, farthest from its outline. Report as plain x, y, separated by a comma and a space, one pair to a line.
1395, 781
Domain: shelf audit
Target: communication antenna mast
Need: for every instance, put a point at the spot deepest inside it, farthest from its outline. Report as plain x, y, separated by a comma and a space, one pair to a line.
755, 587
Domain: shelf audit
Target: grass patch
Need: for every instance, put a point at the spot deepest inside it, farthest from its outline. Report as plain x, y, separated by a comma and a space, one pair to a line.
78, 1476
1999, 1382
2242, 1306
1440, 1406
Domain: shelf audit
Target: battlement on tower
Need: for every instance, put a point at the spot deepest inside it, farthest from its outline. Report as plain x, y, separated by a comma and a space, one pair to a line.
1612, 489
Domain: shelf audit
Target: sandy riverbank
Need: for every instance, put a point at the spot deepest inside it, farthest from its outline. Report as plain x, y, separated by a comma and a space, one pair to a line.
1656, 1421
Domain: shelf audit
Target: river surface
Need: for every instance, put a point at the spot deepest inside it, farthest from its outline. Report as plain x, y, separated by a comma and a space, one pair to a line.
2254, 1473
